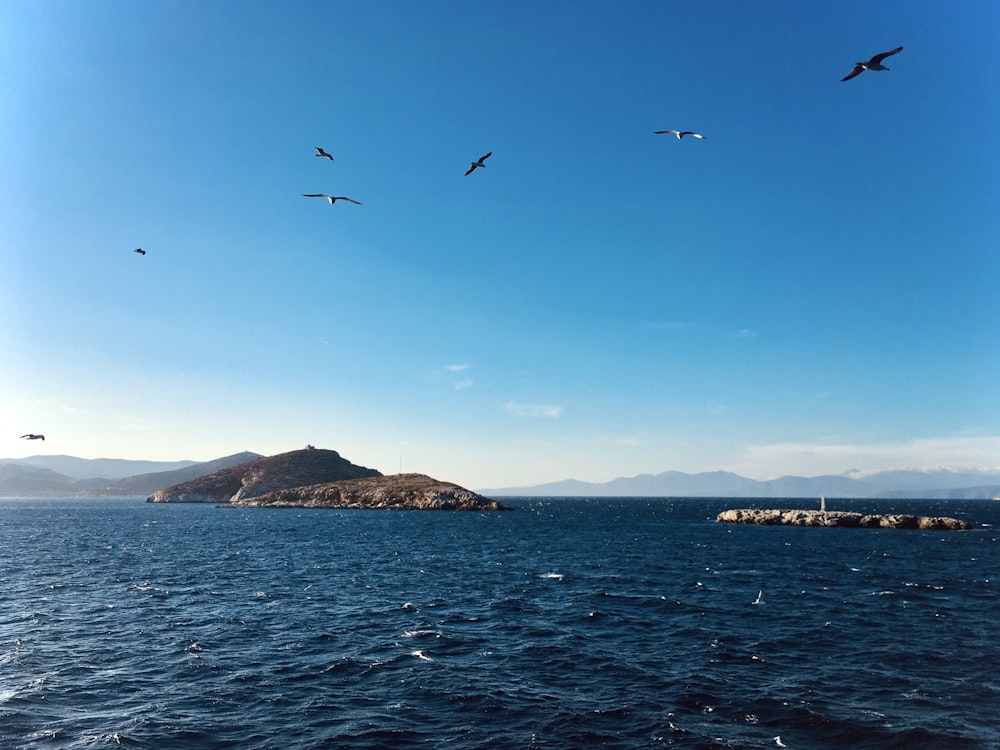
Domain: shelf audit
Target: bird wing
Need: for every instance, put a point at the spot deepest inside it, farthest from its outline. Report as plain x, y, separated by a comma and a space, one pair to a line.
693, 134
666, 132
315, 195
345, 198
471, 169
487, 156
857, 71
880, 57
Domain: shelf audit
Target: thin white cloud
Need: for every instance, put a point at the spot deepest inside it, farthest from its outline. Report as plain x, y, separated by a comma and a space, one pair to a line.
628, 441
672, 325
716, 408
461, 385
136, 425
456, 368
812, 459
533, 410
746, 333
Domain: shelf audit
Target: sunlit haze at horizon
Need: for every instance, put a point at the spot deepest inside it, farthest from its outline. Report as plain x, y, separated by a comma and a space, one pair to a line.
810, 289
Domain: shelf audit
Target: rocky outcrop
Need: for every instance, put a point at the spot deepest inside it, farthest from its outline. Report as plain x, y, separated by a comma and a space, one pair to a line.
841, 519
396, 492
263, 475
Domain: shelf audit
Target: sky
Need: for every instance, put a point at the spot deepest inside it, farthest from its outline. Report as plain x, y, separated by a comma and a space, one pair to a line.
813, 288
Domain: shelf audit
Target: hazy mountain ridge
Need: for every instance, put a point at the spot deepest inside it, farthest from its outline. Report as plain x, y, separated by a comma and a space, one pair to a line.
943, 484
147, 483
97, 468
35, 477
26, 478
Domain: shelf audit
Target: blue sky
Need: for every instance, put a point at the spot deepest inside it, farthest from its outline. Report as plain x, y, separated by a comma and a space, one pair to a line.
813, 288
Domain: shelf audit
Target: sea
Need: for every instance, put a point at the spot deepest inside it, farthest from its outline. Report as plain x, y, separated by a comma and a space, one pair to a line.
567, 623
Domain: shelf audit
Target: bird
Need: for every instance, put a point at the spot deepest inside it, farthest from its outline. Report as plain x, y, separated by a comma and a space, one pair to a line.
874, 64
321, 154
680, 133
478, 163
760, 597
31, 436
332, 198
139, 250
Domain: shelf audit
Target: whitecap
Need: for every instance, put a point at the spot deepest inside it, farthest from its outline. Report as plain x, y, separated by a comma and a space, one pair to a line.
419, 633
421, 655
554, 576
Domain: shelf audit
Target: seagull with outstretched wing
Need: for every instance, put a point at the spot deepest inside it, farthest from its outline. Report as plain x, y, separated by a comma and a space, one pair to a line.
473, 166
332, 198
680, 133
874, 64
321, 154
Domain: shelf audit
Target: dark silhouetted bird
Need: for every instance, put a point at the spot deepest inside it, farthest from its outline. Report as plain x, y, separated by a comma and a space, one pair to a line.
332, 198
139, 250
30, 436
680, 133
321, 154
874, 64
478, 163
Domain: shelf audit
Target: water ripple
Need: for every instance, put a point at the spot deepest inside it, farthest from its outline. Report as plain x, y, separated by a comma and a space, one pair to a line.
610, 623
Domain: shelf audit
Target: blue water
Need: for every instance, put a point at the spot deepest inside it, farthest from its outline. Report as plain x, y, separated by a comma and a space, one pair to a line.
618, 623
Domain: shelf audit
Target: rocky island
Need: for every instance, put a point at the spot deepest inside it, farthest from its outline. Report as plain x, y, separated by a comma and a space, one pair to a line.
396, 492
316, 478
293, 469
840, 519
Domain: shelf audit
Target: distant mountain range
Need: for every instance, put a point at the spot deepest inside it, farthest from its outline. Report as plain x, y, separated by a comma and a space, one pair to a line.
68, 476
943, 484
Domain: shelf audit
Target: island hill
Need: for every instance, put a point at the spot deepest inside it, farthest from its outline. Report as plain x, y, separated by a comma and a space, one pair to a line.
317, 478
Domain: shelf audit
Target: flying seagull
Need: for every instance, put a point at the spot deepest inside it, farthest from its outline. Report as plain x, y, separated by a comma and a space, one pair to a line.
760, 597
30, 436
139, 250
332, 198
874, 64
478, 163
680, 133
321, 154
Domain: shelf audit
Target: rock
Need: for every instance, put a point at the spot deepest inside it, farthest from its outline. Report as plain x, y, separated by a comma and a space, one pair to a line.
396, 492
845, 519
285, 470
